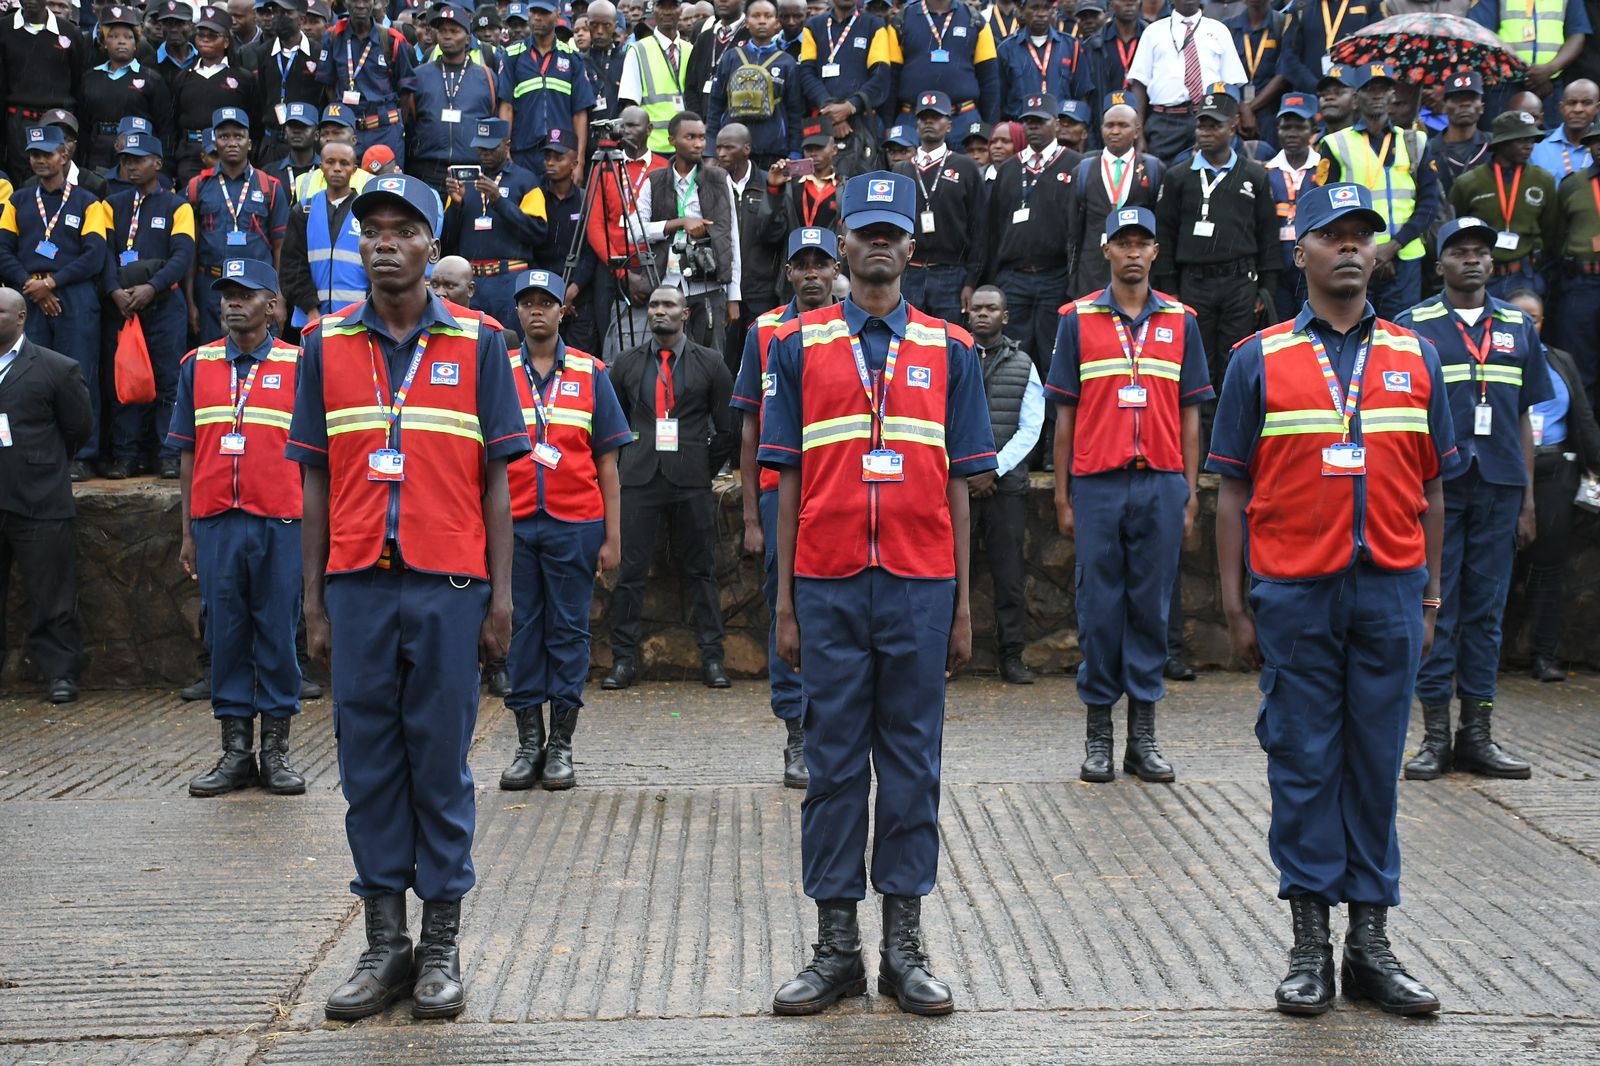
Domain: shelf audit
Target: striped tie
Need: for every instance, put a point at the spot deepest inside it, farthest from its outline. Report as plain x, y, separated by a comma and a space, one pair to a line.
1191, 65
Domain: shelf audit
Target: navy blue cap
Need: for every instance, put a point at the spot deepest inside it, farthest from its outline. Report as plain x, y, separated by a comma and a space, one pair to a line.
451, 13
936, 102
899, 135
405, 190
1367, 73
301, 113
208, 141
1301, 104
45, 138
1468, 81
1076, 110
1465, 224
558, 141
816, 237
251, 273
140, 144
287, 5
1339, 75
546, 281
517, 10
1089, 5
339, 115
490, 132
1041, 106
234, 115
542, 5
1328, 203
1117, 98
879, 196
1130, 218
134, 124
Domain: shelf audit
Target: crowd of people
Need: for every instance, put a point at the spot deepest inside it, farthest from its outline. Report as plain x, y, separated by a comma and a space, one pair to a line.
585, 257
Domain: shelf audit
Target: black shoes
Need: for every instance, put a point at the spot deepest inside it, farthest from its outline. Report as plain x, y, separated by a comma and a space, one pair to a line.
1433, 758
438, 992
78, 470
1177, 670
1308, 987
1545, 668
623, 674
497, 679
558, 773
903, 970
1097, 766
1476, 752
795, 774
1013, 672
63, 690
1142, 756
309, 689
169, 468
528, 763
200, 690
712, 673
277, 776
1371, 971
237, 767
117, 470
383, 973
835, 970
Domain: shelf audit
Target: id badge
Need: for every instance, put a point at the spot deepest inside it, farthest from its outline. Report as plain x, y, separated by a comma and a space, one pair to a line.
1344, 460
386, 464
5, 430
1131, 396
281, 113
1505, 241
830, 70
130, 256
677, 101
232, 444
351, 98
46, 249
1019, 215
706, 88
666, 434
450, 114
236, 238
599, 103
482, 223
939, 55
1204, 228
1482, 420
1536, 423
546, 455
881, 465
925, 221
1286, 233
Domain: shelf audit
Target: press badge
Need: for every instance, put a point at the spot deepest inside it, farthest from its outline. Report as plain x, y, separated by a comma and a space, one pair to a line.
546, 455
5, 430
666, 434
925, 220
386, 464
1131, 396
351, 98
1020, 214
450, 114
235, 238
881, 464
1505, 242
232, 444
830, 70
1204, 228
1482, 420
1536, 423
46, 249
1344, 460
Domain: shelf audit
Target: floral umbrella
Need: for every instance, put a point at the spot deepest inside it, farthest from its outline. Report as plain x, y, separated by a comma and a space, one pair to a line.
1426, 49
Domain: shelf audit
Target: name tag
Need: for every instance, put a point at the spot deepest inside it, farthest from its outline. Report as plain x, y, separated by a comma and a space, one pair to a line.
351, 98
1204, 228
706, 88
1286, 233
281, 113
386, 464
1536, 423
830, 70
232, 444
666, 434
599, 103
939, 55
1506, 242
1019, 215
1482, 420
450, 114
5, 430
547, 455
925, 221
1344, 460
1131, 396
483, 222
46, 249
130, 256
881, 464
236, 238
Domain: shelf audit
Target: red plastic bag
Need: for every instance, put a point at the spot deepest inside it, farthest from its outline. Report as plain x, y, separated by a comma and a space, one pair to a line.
136, 382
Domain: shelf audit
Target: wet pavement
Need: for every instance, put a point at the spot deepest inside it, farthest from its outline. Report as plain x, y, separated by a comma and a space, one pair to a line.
648, 915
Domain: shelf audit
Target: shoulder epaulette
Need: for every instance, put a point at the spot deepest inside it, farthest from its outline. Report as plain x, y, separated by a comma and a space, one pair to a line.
787, 329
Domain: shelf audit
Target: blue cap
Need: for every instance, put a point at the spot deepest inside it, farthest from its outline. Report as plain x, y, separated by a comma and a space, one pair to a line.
1468, 81
133, 124
1076, 110
208, 141
45, 138
1302, 104
936, 102
547, 281
560, 141
1117, 98
1339, 75
1042, 106
1465, 224
541, 5
1367, 73
899, 135
491, 132
813, 237
452, 13
140, 144
517, 10
251, 273
1130, 218
1328, 203
234, 115
339, 115
879, 196
404, 190
303, 114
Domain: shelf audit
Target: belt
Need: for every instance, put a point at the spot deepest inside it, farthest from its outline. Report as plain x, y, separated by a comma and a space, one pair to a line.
1515, 266
925, 265
25, 112
193, 135
1047, 268
1172, 109
387, 117
1560, 448
1580, 268
488, 268
1221, 270
1138, 462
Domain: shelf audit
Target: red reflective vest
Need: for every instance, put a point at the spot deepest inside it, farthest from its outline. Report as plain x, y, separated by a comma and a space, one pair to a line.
1303, 524
438, 508
766, 325
572, 490
1108, 437
847, 524
260, 481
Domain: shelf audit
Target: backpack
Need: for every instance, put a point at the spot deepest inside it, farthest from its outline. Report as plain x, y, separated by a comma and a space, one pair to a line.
752, 93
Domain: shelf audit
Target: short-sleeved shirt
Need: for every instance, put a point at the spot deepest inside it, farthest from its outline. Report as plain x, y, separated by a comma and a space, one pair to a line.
969, 440
610, 429
181, 433
254, 204
748, 386
547, 92
1194, 379
505, 435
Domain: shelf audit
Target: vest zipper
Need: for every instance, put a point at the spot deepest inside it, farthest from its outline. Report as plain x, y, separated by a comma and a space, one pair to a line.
391, 519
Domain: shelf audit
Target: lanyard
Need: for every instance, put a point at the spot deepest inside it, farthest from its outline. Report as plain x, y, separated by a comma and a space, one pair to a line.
541, 409
133, 223
938, 31
450, 90
1042, 64
664, 376
1480, 353
684, 197
876, 404
498, 179
354, 68
844, 35
1251, 62
227, 200
391, 411
1000, 22
928, 190
1131, 351
1330, 27
238, 397
1126, 53
1343, 407
1206, 189
1388, 181
1594, 190
38, 199
1508, 204
285, 62
1119, 190
811, 205
1030, 175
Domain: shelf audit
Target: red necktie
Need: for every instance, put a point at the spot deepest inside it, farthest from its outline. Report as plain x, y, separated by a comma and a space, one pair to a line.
664, 390
1191, 66
672, 57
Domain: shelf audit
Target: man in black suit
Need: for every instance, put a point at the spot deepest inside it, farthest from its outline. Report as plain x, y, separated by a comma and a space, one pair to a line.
675, 394
44, 419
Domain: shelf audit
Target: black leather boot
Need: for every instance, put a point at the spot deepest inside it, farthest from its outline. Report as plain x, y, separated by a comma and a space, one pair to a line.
1433, 758
528, 763
1308, 987
1097, 764
383, 973
1142, 755
795, 774
277, 776
558, 773
237, 767
1371, 971
438, 992
1476, 751
623, 674
835, 970
903, 970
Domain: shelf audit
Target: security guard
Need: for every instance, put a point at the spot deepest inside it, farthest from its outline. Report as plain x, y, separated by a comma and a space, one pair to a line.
1518, 198
654, 73
454, 91
845, 73
942, 45
550, 90
1495, 370
1579, 195
951, 217
1397, 168
1332, 427
336, 125
811, 267
1290, 173
151, 235
566, 502
298, 133
1128, 373
874, 414
322, 253
52, 250
241, 528
404, 421
496, 222
368, 69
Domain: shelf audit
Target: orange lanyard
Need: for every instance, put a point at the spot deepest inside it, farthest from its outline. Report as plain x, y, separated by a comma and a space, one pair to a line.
1480, 353
1330, 30
1251, 62
1508, 204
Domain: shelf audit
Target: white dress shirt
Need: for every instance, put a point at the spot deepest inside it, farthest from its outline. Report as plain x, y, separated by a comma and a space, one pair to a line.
1158, 64
657, 231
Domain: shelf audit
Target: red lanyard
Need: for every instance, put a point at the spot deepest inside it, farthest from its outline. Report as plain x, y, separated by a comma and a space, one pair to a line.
354, 68
1042, 64
1479, 353
809, 205
1594, 189
238, 397
38, 199
391, 410
1126, 53
1508, 204
1119, 189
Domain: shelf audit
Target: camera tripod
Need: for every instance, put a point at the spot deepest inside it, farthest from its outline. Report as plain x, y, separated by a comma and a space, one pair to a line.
608, 166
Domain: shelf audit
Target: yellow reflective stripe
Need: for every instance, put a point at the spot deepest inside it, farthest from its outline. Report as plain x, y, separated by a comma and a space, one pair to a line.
578, 364
1454, 372
811, 336
1104, 368
770, 318
534, 84
266, 416
928, 336
1395, 420
564, 416
1400, 342
1269, 344
913, 429
1428, 312
1293, 423
441, 420
834, 430
211, 351
1160, 368
208, 416
1501, 373
283, 355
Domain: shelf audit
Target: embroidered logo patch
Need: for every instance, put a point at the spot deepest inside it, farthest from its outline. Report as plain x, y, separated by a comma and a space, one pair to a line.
1163, 334
880, 191
1503, 342
570, 388
272, 381
919, 377
1397, 381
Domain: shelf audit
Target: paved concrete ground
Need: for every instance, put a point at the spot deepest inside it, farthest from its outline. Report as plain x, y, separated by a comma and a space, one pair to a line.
648, 915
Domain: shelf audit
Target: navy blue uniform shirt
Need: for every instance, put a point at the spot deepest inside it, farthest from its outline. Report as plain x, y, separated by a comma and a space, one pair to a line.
180, 434
1194, 379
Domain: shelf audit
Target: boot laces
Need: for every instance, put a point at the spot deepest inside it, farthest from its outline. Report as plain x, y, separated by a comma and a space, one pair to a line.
1378, 948
908, 943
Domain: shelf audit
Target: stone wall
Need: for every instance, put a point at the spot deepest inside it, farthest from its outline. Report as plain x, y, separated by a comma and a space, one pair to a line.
139, 610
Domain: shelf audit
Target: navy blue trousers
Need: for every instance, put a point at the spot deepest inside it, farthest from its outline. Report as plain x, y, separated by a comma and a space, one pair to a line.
250, 586
872, 655
140, 427
552, 586
405, 701
1480, 548
1035, 302
1340, 654
497, 296
1129, 532
935, 290
1577, 328
788, 698
75, 332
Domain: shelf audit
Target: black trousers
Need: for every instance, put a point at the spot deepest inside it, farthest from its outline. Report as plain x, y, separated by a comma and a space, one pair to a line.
1555, 483
692, 524
1000, 521
1225, 309
43, 550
